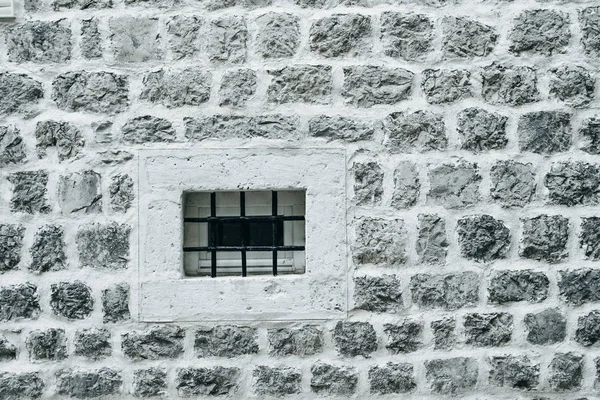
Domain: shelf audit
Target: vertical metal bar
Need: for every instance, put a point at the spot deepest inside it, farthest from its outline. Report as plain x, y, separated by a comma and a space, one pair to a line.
274, 213
213, 235
244, 231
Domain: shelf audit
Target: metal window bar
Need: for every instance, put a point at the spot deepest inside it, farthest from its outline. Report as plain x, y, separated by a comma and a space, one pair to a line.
213, 236
275, 212
245, 232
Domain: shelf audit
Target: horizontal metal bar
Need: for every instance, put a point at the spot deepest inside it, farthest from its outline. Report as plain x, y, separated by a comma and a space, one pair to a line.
248, 248
246, 218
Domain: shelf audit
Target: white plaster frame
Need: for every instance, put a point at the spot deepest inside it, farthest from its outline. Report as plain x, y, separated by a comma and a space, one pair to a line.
166, 295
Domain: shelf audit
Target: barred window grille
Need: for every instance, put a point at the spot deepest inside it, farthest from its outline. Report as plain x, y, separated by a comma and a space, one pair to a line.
244, 233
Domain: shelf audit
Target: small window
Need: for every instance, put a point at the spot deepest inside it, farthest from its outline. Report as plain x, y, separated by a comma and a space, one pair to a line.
244, 233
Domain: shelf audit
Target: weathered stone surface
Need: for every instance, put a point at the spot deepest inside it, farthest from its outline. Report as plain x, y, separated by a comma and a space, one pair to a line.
88, 384
159, 343
72, 300
237, 87
341, 35
589, 237
151, 382
481, 130
98, 92
306, 340
546, 327
432, 242
91, 42
50, 344
588, 329
406, 337
454, 185
573, 85
113, 157
213, 5
148, 129
227, 40
332, 380
566, 372
368, 183
40, 42
8, 351
225, 341
524, 285
340, 128
513, 183
492, 329
20, 92
353, 339
80, 193
545, 132
81, 4
121, 193
516, 372
25, 385
270, 126
380, 294
19, 302
444, 335
29, 192
406, 36
392, 378
406, 185
416, 132
278, 35
580, 286
115, 303
483, 238
380, 241
544, 32
590, 135
573, 183
301, 84
67, 139
93, 343
464, 37
451, 376
450, 292
369, 85
545, 238
589, 19
48, 249
446, 86
12, 147
135, 39
103, 132
177, 88
103, 245
11, 243
216, 381
509, 85
184, 35
276, 381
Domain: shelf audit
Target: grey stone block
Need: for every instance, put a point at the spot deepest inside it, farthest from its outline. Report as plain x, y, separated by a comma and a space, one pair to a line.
24, 385
580, 286
420, 131
29, 192
590, 135
301, 84
276, 381
545, 132
589, 19
516, 372
48, 249
380, 241
183, 32
50, 345
369, 85
481, 130
573, 85
148, 129
103, 245
115, 303
450, 291
98, 92
546, 327
442, 86
121, 193
159, 343
380, 294
483, 238
11, 243
406, 337
432, 243
93, 343
509, 85
306, 340
216, 381
340, 128
406, 36
545, 238
544, 32
67, 139
72, 300
573, 183
91, 42
227, 40
225, 341
12, 147
80, 193
237, 87
114, 157
332, 380
566, 372
270, 126
368, 183
486, 330
40, 42
451, 376
464, 37
588, 329
8, 351
589, 237
177, 88
454, 185
213, 5
278, 35
341, 35
88, 384
444, 333
353, 339
151, 382
512, 286
392, 378
513, 183
406, 185
59, 5
135, 39
20, 93
20, 301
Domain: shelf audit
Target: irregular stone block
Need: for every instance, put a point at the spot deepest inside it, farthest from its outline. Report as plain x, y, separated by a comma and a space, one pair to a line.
573, 183
148, 129
88, 384
115, 303
98, 92
444, 335
513, 183
64, 136
516, 372
121, 193
485, 330
25, 385
277, 381
177, 88
216, 381
588, 329
580, 286
481, 130
12, 147
589, 20
545, 238
544, 32
151, 382
406, 36
546, 327
380, 294
509, 85
340, 128
483, 238
545, 132
50, 344
590, 135
29, 192
464, 37
93, 343
573, 85
278, 35
392, 378
114, 157
225, 341
332, 380
446, 86
81, 4
368, 183
72, 300
306, 340
454, 185
524, 285
80, 193
213, 5
271, 126
589, 237
135, 39
450, 292
301, 84
40, 42
451, 376
237, 87
420, 131
566, 372
227, 40
11, 243
369, 85
341, 35
353, 339
183, 35
406, 185
406, 337
8, 352
20, 92
20, 301
380, 241
91, 42
159, 343
48, 249
103, 245
432, 243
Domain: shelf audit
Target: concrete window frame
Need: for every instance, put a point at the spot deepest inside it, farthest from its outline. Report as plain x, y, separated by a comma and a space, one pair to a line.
166, 295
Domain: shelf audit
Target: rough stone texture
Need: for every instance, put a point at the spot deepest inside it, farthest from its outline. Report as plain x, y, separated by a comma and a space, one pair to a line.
47, 345
300, 84
177, 88
417, 132
516, 372
88, 384
146, 129
12, 147
445, 85
513, 183
573, 183
216, 381
103, 245
237, 87
353, 339
545, 132
91, 42
80, 193
115, 303
29, 192
93, 343
588, 329
279, 35
465, 38
589, 237
509, 85
432, 242
392, 378
225, 341
546, 327
380, 241
566, 372
406, 36
19, 302
306, 340
406, 185
81, 4
332, 380
368, 183
72, 300
454, 185
20, 92
404, 338
483, 238
48, 249
135, 39
369, 85
544, 32
545, 238
380, 294
97, 92
573, 85
121, 193
8, 351
450, 292
271, 126
156, 344
340, 128
451, 376
590, 135
589, 19
580, 286
227, 40
183, 35
481, 130
484, 330
151, 382
444, 335
277, 381
25, 385
11, 243
523, 285
341, 35
40, 42
64, 136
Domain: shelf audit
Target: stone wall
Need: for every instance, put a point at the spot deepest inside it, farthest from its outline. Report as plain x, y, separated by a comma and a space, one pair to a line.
472, 129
